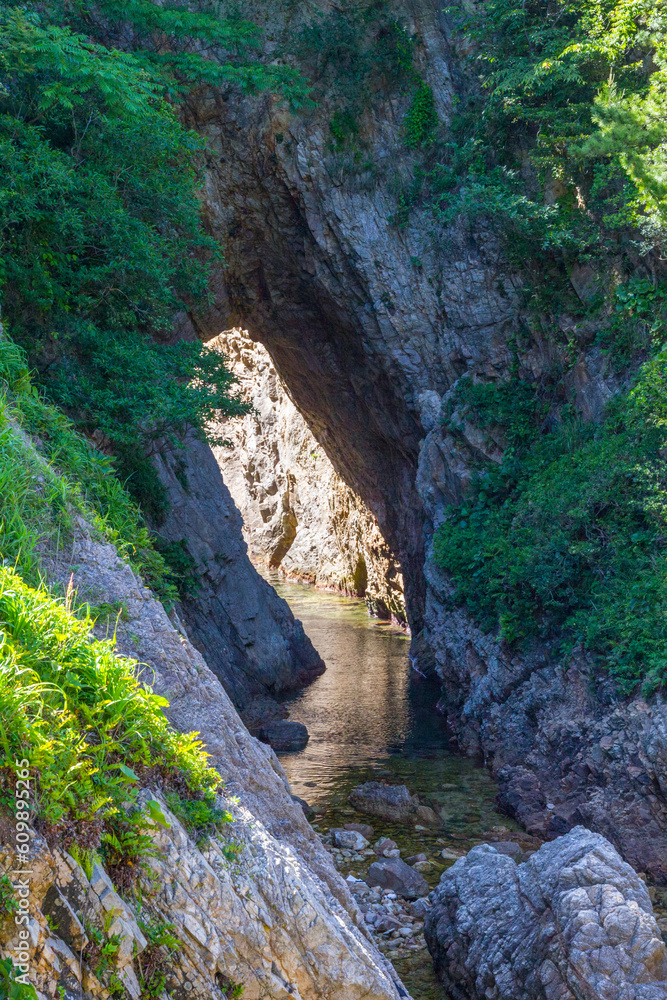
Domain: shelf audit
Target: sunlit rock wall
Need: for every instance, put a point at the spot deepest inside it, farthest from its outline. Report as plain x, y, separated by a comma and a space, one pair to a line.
298, 514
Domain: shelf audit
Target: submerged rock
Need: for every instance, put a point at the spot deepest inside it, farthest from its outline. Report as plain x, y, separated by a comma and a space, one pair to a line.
386, 848
395, 875
348, 838
282, 734
363, 828
427, 816
393, 803
573, 923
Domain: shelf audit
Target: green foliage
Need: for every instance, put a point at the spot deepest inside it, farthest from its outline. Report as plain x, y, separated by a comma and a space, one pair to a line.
36, 502
558, 145
162, 946
101, 240
637, 322
200, 817
8, 902
566, 97
514, 406
344, 128
135, 392
567, 536
421, 119
181, 567
102, 949
77, 711
126, 847
232, 990
10, 989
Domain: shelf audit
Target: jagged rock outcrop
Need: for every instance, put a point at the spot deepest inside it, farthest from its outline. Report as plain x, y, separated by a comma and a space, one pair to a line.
298, 514
261, 921
370, 325
249, 636
562, 754
574, 922
279, 920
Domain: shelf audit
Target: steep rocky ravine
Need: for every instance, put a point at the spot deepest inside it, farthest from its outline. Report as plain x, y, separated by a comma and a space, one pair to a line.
370, 325
298, 515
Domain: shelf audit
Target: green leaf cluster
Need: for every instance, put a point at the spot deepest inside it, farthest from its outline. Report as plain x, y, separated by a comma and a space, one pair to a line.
39, 498
86, 722
10, 989
558, 139
200, 816
421, 118
101, 236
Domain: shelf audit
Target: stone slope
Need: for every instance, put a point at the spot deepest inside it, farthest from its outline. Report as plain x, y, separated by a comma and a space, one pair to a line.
280, 920
298, 514
370, 325
574, 922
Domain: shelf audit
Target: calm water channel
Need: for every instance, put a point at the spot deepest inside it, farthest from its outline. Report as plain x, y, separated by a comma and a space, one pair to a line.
371, 717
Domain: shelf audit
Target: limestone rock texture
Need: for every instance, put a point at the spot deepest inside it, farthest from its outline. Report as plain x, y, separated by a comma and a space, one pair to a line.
370, 325
278, 919
248, 634
574, 922
299, 516
262, 921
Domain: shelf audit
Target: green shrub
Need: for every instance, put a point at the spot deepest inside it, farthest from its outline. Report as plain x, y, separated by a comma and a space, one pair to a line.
89, 727
162, 946
200, 817
36, 501
101, 238
566, 538
421, 118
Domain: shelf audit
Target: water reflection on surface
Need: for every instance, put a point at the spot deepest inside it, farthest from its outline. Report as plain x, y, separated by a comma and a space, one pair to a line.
371, 716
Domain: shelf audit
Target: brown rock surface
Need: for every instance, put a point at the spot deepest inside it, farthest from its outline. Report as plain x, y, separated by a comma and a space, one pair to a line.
299, 516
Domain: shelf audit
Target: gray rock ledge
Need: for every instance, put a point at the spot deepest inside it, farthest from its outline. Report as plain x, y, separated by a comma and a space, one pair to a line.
574, 922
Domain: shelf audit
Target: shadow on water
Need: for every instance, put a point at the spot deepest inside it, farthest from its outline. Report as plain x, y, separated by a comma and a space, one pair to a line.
372, 717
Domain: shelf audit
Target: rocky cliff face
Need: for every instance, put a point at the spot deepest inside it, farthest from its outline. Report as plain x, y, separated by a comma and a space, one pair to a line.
298, 514
248, 634
278, 920
370, 325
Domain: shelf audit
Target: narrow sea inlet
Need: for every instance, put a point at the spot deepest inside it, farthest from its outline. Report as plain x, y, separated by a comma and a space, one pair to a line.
371, 717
